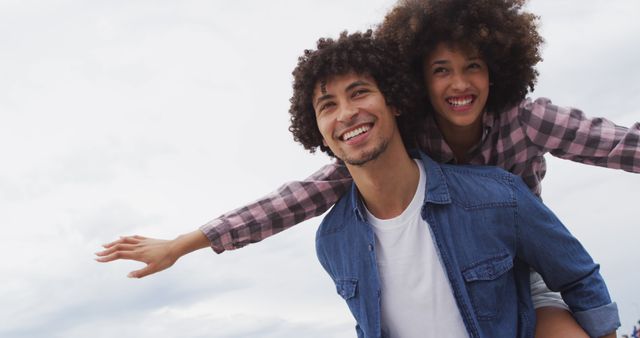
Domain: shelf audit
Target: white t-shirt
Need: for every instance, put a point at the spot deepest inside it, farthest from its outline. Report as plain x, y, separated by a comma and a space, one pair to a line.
417, 300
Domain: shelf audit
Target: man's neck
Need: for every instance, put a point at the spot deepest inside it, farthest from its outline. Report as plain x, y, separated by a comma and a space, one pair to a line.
387, 184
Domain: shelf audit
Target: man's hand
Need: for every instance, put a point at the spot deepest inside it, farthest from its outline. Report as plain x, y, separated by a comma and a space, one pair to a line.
158, 254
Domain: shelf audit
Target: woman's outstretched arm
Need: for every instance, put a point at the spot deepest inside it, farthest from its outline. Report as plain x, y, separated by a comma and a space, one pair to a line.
291, 204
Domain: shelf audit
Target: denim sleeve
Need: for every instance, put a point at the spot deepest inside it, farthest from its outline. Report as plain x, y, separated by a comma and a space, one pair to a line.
564, 264
541, 296
599, 321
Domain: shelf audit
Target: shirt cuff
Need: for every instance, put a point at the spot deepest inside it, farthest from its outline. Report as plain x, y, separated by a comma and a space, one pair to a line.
599, 321
214, 236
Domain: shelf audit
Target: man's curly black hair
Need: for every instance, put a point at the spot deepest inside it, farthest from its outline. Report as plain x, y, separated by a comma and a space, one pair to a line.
505, 36
359, 53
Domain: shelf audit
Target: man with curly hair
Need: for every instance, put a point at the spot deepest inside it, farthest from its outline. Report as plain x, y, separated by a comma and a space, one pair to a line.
420, 249
502, 128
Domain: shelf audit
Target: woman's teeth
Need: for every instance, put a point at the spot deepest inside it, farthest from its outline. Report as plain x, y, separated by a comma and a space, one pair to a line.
460, 101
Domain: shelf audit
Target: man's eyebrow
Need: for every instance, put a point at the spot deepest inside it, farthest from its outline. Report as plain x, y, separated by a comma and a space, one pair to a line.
357, 84
348, 88
323, 98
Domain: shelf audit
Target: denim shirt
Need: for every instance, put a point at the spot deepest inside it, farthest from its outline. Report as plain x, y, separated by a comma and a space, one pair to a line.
489, 230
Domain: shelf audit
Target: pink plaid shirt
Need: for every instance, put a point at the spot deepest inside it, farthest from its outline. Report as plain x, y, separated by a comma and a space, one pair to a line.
515, 140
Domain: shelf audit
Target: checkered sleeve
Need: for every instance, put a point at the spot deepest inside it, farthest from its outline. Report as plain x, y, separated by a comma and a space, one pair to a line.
567, 133
292, 203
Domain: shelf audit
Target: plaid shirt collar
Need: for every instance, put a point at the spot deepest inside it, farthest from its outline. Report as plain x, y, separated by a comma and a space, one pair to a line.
438, 148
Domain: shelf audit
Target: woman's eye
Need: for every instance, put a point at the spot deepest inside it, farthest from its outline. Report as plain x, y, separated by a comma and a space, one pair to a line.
439, 70
359, 92
475, 66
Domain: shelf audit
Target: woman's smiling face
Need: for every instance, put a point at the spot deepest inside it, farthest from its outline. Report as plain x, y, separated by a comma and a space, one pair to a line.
458, 86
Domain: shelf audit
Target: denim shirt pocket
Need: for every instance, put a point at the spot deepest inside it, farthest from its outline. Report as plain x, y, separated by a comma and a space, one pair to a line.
346, 287
486, 281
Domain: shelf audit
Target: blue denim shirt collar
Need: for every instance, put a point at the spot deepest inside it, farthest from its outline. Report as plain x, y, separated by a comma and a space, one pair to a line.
437, 191
356, 203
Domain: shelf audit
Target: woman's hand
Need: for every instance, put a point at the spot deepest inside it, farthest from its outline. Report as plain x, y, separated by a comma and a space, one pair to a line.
157, 254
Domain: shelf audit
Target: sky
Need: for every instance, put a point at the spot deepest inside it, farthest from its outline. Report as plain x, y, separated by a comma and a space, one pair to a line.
154, 117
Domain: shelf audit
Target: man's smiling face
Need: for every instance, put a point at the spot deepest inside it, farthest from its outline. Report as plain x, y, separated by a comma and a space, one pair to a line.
353, 117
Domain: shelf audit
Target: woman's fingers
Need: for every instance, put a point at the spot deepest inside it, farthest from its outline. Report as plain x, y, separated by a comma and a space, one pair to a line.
125, 240
117, 247
147, 270
131, 255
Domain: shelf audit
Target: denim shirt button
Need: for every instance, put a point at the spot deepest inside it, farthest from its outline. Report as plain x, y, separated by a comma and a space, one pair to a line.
370, 247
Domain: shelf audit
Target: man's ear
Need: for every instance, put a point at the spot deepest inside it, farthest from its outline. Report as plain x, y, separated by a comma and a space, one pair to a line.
395, 112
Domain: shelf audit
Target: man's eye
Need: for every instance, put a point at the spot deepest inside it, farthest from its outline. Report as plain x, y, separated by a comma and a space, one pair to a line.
326, 106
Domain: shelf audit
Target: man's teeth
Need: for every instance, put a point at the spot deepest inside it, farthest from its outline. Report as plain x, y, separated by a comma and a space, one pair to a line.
460, 101
349, 135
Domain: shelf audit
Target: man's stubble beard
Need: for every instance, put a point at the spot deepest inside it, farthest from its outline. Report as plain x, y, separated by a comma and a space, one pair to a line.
368, 156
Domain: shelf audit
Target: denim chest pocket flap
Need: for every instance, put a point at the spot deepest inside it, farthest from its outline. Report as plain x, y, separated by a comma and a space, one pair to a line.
487, 283
489, 269
347, 287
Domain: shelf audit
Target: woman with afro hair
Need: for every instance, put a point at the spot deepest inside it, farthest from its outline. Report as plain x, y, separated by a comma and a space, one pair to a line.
476, 62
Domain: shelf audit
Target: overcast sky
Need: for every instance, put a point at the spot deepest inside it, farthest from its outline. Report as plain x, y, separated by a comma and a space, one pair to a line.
153, 117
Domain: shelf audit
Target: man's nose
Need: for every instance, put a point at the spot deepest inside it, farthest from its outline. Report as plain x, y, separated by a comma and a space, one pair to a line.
347, 112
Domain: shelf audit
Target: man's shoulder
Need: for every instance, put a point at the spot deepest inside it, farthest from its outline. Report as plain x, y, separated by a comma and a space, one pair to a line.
492, 172
340, 214
472, 172
474, 184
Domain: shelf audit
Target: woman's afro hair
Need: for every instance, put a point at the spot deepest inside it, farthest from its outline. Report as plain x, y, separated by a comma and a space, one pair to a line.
505, 36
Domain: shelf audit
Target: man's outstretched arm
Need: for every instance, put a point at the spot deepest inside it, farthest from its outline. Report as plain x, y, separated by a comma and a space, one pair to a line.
158, 254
